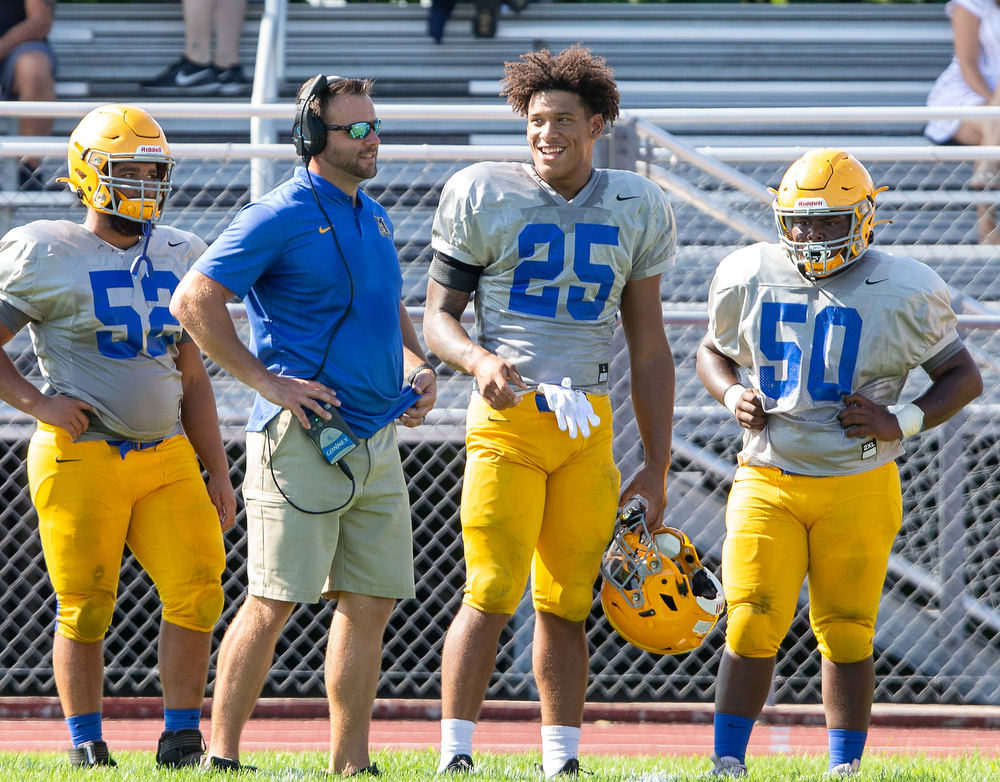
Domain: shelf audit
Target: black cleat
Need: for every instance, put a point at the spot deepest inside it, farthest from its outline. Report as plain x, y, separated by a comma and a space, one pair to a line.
224, 765
460, 764
368, 771
571, 768
91, 753
180, 748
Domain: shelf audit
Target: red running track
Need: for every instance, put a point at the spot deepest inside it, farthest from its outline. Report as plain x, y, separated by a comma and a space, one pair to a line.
600, 737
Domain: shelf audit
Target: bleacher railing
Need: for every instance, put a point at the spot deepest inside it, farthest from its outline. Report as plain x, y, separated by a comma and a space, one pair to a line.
937, 631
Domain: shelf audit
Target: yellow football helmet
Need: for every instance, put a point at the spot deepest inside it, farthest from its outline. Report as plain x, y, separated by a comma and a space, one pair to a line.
656, 594
107, 137
826, 182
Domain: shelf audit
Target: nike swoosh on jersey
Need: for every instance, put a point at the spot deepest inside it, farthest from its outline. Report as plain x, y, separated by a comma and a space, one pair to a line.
326, 230
620, 197
63, 461
175, 244
875, 282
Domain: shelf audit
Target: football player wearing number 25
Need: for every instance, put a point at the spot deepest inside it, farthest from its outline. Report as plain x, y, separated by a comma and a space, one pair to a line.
824, 331
552, 250
126, 396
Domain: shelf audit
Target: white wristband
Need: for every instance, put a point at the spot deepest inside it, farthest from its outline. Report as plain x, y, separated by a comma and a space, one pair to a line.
732, 397
910, 418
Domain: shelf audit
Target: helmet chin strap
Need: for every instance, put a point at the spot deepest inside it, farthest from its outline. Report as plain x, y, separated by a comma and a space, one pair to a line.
143, 264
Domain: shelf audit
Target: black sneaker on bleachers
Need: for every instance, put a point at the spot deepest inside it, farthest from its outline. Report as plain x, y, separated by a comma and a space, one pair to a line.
232, 81
184, 78
484, 21
91, 753
180, 748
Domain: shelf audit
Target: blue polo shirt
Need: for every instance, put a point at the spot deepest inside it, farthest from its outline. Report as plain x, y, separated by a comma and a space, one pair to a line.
296, 277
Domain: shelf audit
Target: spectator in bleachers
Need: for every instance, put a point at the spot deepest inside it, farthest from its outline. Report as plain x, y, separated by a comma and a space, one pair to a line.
198, 72
484, 20
971, 80
27, 71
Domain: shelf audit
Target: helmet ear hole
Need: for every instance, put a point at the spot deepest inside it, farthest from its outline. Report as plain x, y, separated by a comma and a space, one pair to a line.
702, 585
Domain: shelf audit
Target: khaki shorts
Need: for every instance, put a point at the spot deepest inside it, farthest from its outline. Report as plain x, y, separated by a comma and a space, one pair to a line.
365, 548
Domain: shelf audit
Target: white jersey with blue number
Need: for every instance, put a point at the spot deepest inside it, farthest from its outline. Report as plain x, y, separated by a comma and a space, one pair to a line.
553, 270
101, 334
806, 344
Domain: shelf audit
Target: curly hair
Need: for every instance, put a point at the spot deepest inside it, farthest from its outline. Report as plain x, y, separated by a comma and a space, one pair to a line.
573, 70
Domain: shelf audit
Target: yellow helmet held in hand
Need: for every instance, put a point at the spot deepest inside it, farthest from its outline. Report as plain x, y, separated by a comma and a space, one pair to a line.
656, 593
826, 182
107, 137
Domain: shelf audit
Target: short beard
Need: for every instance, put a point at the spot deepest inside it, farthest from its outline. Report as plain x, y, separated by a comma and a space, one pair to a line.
122, 225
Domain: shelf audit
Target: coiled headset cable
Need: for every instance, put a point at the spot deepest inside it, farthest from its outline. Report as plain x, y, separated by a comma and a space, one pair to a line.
342, 463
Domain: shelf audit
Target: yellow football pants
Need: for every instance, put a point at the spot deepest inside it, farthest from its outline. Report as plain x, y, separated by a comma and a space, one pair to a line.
837, 530
91, 502
534, 497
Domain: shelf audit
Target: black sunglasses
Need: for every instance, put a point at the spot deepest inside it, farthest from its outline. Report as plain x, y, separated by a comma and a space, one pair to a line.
358, 129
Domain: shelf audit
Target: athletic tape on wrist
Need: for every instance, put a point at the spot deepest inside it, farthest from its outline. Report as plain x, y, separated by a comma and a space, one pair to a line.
910, 418
732, 397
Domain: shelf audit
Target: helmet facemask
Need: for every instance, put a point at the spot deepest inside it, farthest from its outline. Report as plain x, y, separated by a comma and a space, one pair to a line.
140, 200
816, 260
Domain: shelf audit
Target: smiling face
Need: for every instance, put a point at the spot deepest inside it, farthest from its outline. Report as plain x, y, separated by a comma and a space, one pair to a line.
346, 161
561, 134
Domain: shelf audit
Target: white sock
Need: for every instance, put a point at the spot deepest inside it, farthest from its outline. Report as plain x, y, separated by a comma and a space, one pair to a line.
456, 739
559, 744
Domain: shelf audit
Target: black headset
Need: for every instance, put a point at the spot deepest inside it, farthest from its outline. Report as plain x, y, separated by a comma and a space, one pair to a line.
309, 130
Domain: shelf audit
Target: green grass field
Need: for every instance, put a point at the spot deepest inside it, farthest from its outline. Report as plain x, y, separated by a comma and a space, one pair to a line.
405, 766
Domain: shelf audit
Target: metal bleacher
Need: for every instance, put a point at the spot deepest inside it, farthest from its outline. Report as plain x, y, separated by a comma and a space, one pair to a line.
663, 54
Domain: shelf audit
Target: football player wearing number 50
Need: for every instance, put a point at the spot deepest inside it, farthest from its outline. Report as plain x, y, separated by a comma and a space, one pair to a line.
553, 250
809, 344
126, 396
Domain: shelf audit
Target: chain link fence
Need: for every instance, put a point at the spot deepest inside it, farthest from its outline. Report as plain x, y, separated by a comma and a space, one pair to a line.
936, 636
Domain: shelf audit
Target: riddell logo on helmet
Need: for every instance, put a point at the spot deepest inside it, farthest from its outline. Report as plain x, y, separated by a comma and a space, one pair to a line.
810, 203
145, 148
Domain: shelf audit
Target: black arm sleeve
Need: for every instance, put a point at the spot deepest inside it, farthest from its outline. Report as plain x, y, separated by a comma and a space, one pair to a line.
454, 274
12, 318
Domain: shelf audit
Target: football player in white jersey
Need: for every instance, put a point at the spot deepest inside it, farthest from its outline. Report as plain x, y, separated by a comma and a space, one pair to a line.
553, 250
126, 411
809, 344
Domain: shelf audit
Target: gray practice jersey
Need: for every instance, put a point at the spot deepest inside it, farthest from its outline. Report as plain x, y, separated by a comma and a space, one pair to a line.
553, 270
806, 344
101, 334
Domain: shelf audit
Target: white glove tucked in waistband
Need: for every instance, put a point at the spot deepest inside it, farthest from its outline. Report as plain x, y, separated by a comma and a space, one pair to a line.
572, 408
